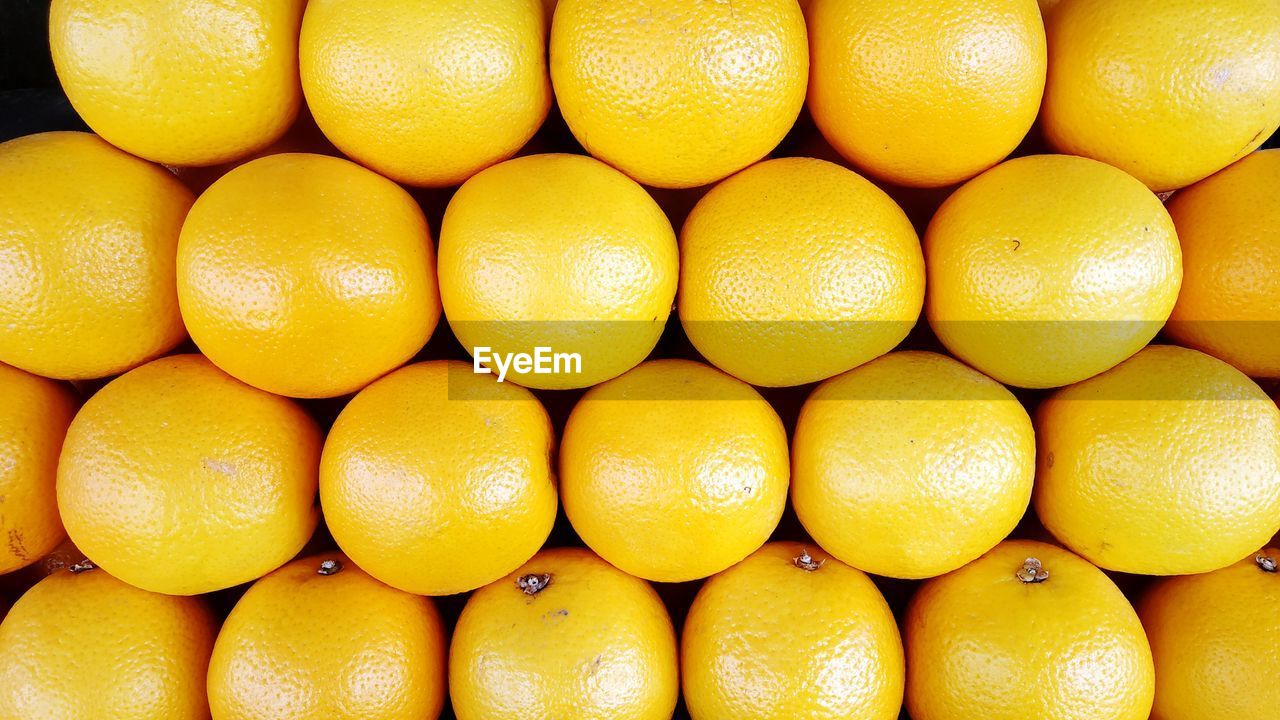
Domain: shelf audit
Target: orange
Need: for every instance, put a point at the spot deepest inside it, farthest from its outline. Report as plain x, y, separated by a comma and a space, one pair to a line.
795, 270
674, 471
1027, 631
791, 634
178, 478
81, 645
1216, 641
1229, 226
34, 417
437, 480
911, 465
679, 93
426, 92
1169, 91
929, 93
319, 639
1167, 465
86, 257
182, 82
1047, 270
560, 252
307, 275
565, 636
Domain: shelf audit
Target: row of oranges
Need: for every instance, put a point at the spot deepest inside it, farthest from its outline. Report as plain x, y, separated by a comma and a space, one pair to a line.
302, 275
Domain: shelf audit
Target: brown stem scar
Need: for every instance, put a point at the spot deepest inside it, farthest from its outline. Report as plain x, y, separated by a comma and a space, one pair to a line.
1032, 572
533, 583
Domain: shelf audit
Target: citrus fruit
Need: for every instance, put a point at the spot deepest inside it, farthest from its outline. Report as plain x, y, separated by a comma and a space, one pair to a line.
1047, 270
426, 92
1169, 91
33, 420
1216, 641
791, 633
565, 636
1229, 227
560, 252
1026, 631
437, 480
307, 275
679, 93
182, 82
320, 639
674, 471
927, 94
1167, 465
911, 465
86, 256
796, 269
178, 478
82, 645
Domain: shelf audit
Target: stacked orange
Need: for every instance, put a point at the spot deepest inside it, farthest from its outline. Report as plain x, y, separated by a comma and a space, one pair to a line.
879, 459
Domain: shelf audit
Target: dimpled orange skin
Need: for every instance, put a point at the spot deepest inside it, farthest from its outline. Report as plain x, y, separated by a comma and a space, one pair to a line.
1216, 641
33, 420
927, 96
437, 480
594, 644
674, 471
306, 275
178, 478
1169, 91
185, 82
308, 646
87, 238
1047, 270
558, 251
769, 640
1229, 226
87, 646
426, 92
981, 643
912, 465
1167, 465
674, 108
795, 270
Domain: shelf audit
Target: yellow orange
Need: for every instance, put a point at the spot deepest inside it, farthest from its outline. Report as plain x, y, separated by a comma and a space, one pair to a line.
82, 645
565, 636
33, 420
679, 93
426, 92
1216, 641
437, 480
1229, 227
674, 471
307, 275
320, 639
1170, 91
791, 634
561, 252
86, 256
1047, 270
1026, 631
911, 465
925, 93
795, 270
182, 82
180, 479
1167, 465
